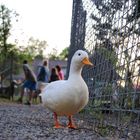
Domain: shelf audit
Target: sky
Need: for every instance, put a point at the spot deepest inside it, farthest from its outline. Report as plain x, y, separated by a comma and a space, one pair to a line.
48, 20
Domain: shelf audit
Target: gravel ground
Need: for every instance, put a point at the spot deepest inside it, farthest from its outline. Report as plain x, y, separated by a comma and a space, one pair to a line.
21, 122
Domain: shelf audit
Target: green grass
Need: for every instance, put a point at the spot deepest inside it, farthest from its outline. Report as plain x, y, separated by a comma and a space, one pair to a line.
4, 100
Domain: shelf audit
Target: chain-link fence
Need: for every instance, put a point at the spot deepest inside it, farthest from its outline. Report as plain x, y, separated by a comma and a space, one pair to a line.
109, 30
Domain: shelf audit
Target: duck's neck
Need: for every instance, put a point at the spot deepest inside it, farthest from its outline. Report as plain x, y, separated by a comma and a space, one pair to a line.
75, 71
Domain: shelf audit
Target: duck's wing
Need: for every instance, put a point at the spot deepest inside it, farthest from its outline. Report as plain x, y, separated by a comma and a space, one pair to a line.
54, 85
55, 94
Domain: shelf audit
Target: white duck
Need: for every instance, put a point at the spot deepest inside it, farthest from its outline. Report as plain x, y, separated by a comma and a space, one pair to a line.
67, 97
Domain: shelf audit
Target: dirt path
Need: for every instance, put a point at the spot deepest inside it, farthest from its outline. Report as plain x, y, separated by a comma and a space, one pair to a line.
21, 122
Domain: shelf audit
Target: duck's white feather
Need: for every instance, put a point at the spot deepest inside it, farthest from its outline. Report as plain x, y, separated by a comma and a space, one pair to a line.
67, 97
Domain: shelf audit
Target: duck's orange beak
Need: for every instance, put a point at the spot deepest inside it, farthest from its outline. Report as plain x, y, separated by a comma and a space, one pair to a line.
86, 61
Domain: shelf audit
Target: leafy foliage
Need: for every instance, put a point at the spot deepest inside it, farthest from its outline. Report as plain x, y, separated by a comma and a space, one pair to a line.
5, 26
36, 47
64, 54
11, 52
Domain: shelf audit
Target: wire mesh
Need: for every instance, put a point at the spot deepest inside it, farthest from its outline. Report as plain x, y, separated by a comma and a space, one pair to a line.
109, 30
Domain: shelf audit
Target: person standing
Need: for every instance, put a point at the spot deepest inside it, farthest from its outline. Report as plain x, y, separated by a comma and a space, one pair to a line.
43, 76
54, 75
29, 83
60, 72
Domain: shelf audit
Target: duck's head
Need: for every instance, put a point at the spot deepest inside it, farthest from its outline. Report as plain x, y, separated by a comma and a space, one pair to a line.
81, 58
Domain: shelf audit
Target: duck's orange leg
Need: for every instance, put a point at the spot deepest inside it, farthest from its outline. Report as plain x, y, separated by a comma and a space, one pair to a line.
56, 125
71, 123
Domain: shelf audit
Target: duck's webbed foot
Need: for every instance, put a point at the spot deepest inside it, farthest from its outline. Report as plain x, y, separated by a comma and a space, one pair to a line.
57, 124
71, 123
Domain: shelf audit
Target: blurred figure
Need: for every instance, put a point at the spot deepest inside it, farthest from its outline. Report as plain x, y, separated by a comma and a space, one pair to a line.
43, 77
29, 83
54, 75
60, 72
43, 74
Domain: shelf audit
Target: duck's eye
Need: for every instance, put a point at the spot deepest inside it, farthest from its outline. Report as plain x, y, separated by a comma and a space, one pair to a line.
79, 54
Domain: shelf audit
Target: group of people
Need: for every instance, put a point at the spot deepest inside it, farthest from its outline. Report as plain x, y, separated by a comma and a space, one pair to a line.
37, 82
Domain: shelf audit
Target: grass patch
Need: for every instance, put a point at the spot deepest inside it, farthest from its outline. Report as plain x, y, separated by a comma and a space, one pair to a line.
4, 100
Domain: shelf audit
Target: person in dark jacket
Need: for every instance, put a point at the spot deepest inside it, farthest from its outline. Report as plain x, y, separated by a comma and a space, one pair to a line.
54, 75
43, 78
43, 74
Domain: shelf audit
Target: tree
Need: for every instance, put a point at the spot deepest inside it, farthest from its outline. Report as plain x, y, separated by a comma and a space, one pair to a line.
64, 54
53, 55
36, 47
5, 26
